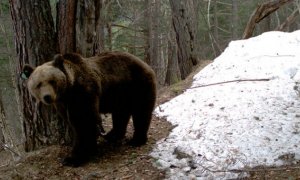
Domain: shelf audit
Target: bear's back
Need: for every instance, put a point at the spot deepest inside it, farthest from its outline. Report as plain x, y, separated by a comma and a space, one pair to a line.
122, 65
125, 79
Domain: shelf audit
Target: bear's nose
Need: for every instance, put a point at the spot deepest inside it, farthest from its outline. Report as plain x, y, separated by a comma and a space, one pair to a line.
48, 99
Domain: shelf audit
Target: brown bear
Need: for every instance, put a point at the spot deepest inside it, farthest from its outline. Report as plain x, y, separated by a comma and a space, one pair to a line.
81, 88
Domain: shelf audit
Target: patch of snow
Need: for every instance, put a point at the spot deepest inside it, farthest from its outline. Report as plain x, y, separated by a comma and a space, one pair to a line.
233, 126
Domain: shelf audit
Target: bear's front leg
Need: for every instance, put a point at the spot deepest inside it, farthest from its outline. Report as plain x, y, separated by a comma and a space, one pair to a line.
84, 147
84, 128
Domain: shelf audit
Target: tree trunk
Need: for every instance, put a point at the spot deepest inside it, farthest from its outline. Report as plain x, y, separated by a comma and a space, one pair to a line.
155, 45
173, 72
110, 35
66, 25
183, 23
100, 25
215, 39
90, 31
260, 13
35, 42
148, 32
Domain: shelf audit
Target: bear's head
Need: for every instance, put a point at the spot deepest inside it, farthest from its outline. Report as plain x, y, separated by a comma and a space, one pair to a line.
47, 82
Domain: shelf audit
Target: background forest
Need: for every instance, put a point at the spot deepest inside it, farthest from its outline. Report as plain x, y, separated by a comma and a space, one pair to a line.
173, 36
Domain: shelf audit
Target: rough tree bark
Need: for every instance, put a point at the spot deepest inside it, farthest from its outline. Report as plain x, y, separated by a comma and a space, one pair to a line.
154, 37
173, 72
183, 19
66, 25
35, 42
260, 13
148, 32
90, 30
153, 48
100, 25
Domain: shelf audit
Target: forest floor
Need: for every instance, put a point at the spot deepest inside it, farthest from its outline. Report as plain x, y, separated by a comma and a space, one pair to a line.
118, 161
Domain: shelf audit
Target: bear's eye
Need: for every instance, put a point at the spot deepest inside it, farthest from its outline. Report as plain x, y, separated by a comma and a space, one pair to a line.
52, 82
39, 85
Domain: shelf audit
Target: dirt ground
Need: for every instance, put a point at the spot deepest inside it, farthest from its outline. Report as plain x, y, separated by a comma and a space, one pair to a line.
119, 161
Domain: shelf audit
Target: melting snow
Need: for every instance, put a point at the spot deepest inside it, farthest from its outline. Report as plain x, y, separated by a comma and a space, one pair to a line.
238, 125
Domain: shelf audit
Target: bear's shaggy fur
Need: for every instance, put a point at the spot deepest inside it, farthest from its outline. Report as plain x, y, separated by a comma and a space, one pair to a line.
81, 88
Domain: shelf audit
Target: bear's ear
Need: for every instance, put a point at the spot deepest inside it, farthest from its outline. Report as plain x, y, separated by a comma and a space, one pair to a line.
73, 57
26, 72
58, 61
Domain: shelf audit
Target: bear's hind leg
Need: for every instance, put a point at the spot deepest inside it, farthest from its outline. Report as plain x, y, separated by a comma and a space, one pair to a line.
141, 122
120, 122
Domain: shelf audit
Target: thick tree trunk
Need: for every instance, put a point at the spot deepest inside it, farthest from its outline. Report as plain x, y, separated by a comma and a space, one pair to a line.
66, 25
183, 23
260, 13
85, 28
35, 42
100, 25
173, 72
90, 30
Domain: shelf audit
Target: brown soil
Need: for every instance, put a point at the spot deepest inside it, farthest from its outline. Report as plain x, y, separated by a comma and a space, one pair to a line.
118, 161
114, 161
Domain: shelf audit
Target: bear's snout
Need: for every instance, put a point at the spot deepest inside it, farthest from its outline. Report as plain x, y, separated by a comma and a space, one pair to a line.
48, 99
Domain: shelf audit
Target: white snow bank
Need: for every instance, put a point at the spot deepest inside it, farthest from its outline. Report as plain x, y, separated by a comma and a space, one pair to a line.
237, 125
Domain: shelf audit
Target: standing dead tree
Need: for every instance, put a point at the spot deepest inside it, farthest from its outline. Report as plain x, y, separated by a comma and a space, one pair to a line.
262, 11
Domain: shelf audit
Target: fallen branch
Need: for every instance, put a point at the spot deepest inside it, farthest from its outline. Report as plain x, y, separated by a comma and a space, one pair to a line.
225, 82
264, 169
248, 170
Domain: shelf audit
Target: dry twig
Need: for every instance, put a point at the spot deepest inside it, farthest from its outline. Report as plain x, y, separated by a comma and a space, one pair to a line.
225, 82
